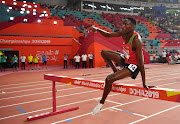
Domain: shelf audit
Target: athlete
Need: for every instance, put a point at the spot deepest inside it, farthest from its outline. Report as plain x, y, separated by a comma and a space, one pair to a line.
131, 60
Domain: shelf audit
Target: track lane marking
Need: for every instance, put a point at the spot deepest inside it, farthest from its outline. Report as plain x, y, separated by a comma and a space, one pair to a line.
155, 114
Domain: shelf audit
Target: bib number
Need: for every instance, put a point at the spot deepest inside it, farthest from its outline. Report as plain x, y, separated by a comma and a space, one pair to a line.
132, 67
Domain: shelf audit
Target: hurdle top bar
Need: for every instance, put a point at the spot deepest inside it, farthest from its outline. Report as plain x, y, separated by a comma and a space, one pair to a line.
131, 89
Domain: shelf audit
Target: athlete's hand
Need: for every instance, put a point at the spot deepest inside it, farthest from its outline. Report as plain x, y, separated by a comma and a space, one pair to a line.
148, 86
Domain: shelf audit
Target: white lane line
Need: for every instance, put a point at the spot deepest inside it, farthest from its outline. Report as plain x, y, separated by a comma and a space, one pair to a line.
114, 102
169, 83
39, 93
22, 83
26, 86
46, 99
155, 114
152, 70
101, 111
160, 79
130, 112
148, 74
87, 100
147, 81
36, 88
139, 78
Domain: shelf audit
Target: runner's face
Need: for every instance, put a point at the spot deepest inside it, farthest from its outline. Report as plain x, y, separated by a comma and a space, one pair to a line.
127, 26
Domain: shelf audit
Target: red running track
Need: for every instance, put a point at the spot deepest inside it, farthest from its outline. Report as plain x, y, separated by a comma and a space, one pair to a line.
27, 94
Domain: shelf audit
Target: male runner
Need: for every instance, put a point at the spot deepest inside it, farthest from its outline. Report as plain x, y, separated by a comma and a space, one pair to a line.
132, 59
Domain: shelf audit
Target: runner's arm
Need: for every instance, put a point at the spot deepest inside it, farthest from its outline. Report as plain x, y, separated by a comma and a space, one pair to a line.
115, 34
138, 45
107, 34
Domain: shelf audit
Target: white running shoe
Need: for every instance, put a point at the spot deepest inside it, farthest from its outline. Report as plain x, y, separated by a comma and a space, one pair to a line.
97, 109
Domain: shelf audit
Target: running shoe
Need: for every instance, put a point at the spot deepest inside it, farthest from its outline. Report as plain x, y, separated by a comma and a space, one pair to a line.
97, 109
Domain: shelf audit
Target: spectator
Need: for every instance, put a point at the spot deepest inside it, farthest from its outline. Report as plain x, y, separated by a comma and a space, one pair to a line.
90, 60
164, 57
179, 56
84, 60
172, 59
176, 57
15, 62
30, 60
77, 60
23, 61
151, 46
154, 57
65, 60
36, 62
44, 59
3, 60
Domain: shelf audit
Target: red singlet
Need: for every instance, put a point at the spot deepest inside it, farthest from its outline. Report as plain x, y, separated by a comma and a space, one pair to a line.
129, 54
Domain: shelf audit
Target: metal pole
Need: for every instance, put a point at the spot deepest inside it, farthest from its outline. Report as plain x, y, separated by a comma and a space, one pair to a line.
54, 96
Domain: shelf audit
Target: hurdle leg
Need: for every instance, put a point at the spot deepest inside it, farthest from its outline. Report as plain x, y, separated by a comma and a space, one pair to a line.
54, 96
30, 118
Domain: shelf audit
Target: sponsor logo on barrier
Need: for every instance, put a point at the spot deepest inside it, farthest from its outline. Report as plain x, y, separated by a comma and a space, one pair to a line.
119, 88
89, 84
144, 93
77, 82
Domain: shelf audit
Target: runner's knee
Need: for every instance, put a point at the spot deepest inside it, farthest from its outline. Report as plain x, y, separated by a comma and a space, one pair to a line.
103, 52
109, 79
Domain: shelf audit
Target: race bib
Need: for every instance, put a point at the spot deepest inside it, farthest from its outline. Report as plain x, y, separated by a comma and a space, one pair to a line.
132, 67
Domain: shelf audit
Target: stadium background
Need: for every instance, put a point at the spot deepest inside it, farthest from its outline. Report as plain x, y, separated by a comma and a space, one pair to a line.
58, 27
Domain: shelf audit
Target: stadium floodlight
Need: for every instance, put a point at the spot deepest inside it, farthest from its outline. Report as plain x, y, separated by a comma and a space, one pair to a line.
35, 6
11, 18
23, 9
29, 6
14, 3
3, 2
42, 15
34, 13
8, 10
55, 22
24, 5
25, 20
22, 12
28, 12
39, 21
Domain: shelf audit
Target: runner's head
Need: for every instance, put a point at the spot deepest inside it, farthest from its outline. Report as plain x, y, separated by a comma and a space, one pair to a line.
129, 25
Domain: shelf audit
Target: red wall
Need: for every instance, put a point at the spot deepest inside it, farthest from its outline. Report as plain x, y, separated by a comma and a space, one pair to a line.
54, 53
42, 29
